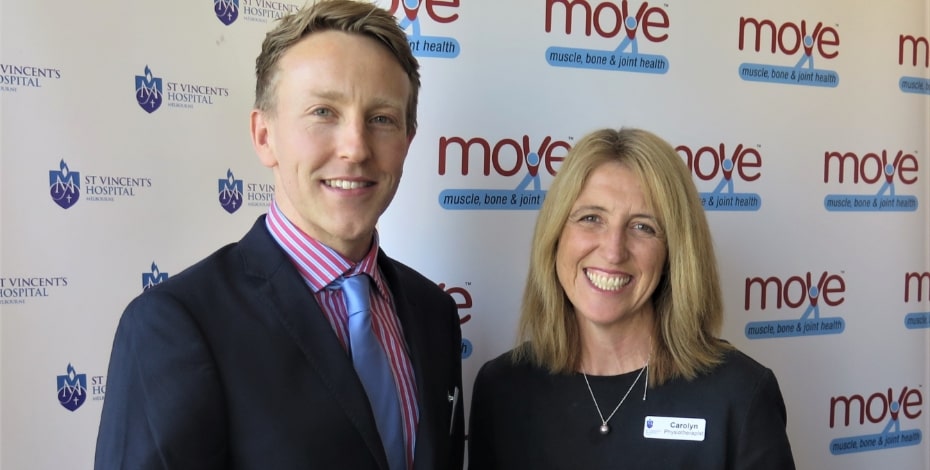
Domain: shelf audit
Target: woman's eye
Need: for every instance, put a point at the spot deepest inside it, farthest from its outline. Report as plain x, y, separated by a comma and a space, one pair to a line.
644, 229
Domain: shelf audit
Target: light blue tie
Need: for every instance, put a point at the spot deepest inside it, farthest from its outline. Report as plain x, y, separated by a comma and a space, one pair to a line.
374, 370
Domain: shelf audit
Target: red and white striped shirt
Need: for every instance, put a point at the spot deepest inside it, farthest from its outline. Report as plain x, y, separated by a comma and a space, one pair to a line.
320, 265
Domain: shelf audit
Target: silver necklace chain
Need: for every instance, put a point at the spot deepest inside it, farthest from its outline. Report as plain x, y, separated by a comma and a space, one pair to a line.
604, 429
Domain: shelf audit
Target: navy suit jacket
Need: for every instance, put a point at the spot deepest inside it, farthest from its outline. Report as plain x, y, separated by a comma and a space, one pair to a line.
231, 364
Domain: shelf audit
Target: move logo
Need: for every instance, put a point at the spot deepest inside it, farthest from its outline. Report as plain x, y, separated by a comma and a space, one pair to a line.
233, 193
259, 11
152, 90
794, 292
428, 46
13, 77
17, 289
609, 20
914, 44
876, 409
506, 158
886, 167
72, 389
65, 186
463, 301
789, 39
919, 281
716, 163
153, 277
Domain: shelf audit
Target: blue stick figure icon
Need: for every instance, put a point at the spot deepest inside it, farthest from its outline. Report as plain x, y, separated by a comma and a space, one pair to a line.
414, 22
813, 307
889, 182
631, 24
808, 55
532, 160
727, 180
893, 422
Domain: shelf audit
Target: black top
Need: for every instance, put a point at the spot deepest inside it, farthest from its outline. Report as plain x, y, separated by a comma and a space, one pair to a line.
523, 417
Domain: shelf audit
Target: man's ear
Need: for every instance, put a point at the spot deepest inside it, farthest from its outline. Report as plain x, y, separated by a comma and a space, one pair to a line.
259, 125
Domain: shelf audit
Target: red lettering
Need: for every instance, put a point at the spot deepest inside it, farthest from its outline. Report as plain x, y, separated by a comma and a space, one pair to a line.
911, 403
797, 280
506, 157
431, 10
743, 160
919, 279
431, 5
608, 20
914, 43
872, 167
829, 285
789, 37
879, 398
796, 38
878, 407
458, 293
794, 291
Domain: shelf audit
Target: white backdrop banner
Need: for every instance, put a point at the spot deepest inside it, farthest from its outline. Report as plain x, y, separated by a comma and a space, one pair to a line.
125, 157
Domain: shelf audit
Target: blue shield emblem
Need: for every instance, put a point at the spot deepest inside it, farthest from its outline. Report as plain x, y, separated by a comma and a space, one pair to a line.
148, 91
72, 389
64, 186
153, 278
230, 191
226, 10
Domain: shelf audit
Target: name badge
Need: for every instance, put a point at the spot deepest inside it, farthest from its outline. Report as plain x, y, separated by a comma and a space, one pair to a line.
680, 429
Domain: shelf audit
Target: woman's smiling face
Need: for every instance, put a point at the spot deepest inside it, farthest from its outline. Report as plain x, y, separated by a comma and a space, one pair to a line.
611, 253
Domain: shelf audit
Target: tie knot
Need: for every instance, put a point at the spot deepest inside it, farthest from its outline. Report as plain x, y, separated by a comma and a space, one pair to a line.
355, 290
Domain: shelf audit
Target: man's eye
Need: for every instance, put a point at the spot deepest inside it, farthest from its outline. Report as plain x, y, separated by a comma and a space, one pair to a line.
382, 120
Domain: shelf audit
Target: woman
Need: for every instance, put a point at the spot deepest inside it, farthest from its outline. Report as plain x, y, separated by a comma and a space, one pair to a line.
620, 365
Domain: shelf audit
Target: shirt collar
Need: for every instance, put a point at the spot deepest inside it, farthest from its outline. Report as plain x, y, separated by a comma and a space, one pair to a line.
317, 263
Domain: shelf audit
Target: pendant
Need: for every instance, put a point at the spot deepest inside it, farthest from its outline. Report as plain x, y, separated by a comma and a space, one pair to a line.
605, 428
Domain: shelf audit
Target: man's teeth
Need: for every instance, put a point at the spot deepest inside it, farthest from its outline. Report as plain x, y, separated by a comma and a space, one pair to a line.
344, 184
605, 282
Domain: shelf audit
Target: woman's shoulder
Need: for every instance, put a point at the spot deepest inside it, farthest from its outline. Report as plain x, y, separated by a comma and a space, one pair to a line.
739, 369
509, 365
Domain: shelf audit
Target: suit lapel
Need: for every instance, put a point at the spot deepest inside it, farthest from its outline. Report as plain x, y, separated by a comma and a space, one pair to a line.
429, 392
293, 304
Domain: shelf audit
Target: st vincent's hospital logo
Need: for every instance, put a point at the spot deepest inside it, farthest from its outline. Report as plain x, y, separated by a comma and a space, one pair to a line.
258, 11
152, 91
72, 389
65, 186
233, 193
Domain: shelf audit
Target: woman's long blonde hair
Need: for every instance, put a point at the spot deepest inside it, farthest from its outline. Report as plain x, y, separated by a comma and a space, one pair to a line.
687, 302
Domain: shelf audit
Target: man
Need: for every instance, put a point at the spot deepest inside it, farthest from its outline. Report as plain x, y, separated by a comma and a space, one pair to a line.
247, 359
